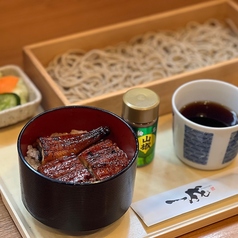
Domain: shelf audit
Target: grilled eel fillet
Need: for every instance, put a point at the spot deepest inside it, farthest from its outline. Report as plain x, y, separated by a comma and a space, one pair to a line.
56, 147
67, 169
104, 159
98, 162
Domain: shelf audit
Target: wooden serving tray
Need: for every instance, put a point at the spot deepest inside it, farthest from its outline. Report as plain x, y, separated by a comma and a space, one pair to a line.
164, 173
37, 56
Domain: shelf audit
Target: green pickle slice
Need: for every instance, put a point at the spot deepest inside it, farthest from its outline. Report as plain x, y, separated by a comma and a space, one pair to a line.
9, 100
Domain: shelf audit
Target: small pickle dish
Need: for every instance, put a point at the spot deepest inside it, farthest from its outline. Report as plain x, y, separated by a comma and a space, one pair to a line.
29, 96
74, 207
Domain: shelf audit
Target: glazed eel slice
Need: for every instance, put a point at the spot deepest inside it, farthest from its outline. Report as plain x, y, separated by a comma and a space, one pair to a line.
99, 161
56, 147
67, 169
104, 159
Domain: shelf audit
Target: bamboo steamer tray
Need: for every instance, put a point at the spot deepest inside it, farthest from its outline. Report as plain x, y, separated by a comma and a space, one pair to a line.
37, 56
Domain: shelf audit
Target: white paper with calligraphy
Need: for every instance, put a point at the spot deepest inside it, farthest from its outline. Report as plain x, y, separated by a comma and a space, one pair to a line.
187, 198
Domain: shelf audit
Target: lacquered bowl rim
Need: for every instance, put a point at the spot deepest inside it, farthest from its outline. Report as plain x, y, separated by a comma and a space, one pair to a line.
21, 156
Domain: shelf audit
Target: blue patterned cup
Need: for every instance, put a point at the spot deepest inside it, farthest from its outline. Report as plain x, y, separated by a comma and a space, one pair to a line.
200, 146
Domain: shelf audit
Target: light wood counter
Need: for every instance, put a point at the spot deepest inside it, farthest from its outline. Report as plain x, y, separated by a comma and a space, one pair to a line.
227, 228
26, 22
158, 178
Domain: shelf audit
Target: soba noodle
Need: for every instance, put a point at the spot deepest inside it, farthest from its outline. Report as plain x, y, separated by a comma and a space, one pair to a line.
154, 55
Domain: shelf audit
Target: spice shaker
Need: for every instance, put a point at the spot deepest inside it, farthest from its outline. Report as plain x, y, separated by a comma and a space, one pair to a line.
140, 109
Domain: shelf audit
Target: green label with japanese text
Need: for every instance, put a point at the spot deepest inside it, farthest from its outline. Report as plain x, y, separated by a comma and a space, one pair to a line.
146, 138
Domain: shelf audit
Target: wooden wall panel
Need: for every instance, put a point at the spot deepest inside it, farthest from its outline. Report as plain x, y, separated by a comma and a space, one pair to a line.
23, 22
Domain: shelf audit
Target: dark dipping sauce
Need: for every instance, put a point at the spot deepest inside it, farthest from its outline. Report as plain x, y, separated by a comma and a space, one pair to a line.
210, 114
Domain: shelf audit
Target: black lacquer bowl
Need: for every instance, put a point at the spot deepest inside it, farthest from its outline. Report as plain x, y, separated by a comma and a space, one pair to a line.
77, 207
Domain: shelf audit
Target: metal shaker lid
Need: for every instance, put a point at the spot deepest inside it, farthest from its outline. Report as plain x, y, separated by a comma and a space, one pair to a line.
140, 105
